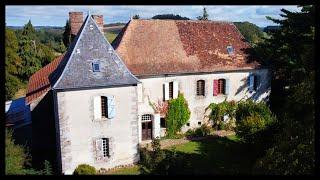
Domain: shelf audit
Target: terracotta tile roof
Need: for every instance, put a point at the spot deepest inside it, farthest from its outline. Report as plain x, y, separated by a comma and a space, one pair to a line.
39, 83
154, 47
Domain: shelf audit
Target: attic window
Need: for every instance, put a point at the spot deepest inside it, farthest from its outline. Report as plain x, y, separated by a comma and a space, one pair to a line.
91, 26
96, 67
230, 50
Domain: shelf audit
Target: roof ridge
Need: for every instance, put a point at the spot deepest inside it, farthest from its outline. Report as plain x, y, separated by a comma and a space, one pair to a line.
76, 40
190, 20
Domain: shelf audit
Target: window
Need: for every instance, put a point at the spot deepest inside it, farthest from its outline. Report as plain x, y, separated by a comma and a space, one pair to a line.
199, 122
230, 50
162, 122
171, 90
105, 147
104, 106
146, 117
188, 124
221, 86
96, 67
200, 87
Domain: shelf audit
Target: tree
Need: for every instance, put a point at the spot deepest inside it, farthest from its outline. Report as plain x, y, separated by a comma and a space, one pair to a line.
290, 50
28, 51
67, 38
136, 16
169, 16
13, 64
204, 16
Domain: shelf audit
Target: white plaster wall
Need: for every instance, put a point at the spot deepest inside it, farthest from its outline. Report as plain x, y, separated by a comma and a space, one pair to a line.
152, 90
78, 128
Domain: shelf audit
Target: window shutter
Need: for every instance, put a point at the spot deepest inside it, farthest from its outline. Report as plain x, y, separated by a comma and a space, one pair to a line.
215, 87
166, 91
227, 85
251, 82
111, 107
257, 82
99, 149
175, 89
97, 107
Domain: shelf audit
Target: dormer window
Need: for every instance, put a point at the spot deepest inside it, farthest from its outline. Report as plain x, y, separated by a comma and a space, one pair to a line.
96, 67
230, 50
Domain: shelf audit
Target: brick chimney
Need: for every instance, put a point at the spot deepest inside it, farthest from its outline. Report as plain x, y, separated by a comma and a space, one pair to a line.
76, 20
99, 20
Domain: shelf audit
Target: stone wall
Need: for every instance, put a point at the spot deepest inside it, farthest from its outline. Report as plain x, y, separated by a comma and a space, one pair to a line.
79, 129
152, 91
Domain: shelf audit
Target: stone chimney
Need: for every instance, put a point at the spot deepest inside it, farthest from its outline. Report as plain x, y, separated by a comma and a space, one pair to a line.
75, 20
99, 20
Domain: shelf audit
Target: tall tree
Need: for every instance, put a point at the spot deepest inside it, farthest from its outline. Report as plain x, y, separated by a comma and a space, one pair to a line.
67, 38
290, 50
28, 51
205, 15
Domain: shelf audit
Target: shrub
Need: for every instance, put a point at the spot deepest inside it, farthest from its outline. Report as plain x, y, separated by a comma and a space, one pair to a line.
84, 169
149, 160
178, 114
204, 130
248, 107
221, 109
253, 119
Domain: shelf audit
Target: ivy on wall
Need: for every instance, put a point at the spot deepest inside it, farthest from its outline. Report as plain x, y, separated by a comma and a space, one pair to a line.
178, 114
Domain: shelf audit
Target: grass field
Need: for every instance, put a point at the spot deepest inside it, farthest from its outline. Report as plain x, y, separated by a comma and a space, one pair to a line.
126, 171
215, 155
111, 36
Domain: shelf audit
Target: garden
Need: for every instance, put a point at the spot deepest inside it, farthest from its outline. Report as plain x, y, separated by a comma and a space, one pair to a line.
205, 150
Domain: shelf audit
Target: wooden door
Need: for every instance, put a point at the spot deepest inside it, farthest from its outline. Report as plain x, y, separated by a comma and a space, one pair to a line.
147, 130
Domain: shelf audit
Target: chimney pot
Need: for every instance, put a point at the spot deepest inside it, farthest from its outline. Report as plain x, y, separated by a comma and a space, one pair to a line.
99, 20
76, 20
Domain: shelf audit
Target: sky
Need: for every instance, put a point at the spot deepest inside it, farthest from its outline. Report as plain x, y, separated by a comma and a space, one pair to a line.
57, 15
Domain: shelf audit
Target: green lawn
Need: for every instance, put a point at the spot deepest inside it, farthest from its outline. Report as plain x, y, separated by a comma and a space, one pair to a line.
126, 171
215, 155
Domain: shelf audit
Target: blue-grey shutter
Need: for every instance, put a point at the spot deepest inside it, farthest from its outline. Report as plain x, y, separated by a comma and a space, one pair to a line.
227, 88
251, 82
111, 107
258, 81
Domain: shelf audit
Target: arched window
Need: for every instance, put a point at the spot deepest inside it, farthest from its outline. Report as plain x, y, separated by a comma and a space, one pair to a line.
200, 87
221, 86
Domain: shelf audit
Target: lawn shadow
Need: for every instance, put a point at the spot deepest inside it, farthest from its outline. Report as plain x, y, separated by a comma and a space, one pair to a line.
220, 156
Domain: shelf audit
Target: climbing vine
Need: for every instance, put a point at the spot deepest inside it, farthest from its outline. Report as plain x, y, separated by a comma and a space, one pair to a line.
219, 111
178, 114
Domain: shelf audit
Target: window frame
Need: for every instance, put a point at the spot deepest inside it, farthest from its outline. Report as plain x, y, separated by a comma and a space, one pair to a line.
105, 147
230, 50
104, 107
94, 67
221, 86
171, 90
201, 87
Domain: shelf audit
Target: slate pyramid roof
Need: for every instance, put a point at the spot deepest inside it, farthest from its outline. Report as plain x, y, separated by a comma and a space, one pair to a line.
90, 46
73, 69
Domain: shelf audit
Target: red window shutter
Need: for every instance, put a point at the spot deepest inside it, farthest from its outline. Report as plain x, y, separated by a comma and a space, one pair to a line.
215, 87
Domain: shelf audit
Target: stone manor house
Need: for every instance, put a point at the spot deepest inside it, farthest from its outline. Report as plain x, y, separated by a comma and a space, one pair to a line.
98, 101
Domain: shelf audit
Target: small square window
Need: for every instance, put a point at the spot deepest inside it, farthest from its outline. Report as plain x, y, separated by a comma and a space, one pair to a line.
188, 124
199, 123
162, 122
96, 67
230, 50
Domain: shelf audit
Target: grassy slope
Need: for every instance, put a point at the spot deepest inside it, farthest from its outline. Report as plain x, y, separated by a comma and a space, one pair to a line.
213, 156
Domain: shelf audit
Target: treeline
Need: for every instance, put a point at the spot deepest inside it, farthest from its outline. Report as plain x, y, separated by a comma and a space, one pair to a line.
27, 51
